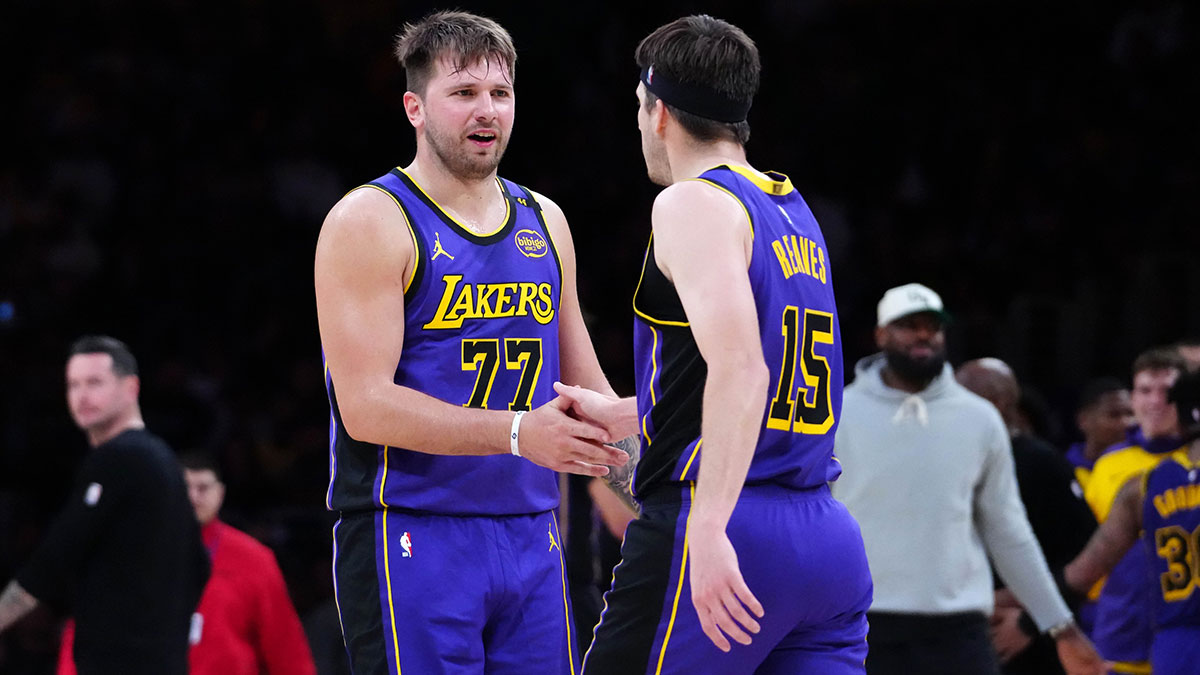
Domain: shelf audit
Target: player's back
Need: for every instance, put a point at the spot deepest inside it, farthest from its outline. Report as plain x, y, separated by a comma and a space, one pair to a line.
1171, 525
793, 290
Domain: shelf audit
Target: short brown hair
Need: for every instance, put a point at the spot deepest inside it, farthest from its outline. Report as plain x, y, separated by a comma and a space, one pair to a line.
708, 52
465, 38
1159, 358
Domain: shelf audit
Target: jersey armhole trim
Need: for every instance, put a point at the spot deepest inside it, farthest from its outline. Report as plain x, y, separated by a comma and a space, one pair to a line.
636, 290
412, 284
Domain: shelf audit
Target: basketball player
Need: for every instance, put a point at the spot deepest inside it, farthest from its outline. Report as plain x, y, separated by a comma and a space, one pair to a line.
447, 307
739, 539
1164, 503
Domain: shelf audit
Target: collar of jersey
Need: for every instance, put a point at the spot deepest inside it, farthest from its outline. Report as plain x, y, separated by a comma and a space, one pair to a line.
781, 185
485, 237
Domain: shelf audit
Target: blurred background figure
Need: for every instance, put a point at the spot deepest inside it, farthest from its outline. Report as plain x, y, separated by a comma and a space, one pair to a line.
124, 556
1061, 520
1103, 415
929, 476
1123, 629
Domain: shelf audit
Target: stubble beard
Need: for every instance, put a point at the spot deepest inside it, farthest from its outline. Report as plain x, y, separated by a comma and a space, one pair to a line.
915, 370
463, 162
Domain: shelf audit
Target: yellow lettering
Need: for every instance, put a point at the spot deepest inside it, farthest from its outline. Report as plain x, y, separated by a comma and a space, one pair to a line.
441, 319
463, 307
783, 261
812, 255
528, 295
482, 309
543, 311
1161, 506
822, 252
802, 255
504, 306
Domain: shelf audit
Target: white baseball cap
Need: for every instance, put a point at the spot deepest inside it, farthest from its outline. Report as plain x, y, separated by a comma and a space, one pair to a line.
908, 299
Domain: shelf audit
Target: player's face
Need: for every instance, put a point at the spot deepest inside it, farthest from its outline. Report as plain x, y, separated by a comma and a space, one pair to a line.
1149, 400
96, 396
466, 117
654, 150
206, 492
1106, 421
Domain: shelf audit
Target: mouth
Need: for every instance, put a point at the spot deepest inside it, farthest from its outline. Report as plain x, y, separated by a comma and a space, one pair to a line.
482, 138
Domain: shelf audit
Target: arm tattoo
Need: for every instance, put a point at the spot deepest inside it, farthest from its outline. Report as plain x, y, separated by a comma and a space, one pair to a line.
15, 602
620, 478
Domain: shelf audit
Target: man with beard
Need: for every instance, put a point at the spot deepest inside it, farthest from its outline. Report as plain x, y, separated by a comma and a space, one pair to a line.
929, 476
447, 308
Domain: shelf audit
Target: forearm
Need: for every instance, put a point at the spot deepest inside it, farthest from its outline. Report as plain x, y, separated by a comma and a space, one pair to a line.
1104, 550
15, 602
405, 418
734, 399
1020, 563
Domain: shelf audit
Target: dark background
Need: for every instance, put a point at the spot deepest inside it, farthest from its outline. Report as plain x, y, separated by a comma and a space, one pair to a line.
165, 168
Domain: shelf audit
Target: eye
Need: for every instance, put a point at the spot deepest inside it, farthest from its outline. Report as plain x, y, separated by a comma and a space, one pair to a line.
464, 92
503, 93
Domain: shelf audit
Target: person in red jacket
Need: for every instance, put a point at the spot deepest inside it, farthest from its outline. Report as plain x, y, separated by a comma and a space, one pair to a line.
245, 624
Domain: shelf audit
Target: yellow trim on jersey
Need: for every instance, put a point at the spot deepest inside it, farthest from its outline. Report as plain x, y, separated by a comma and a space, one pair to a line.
562, 569
387, 575
695, 451
771, 187
549, 235
1111, 472
411, 232
642, 276
1131, 667
336, 604
662, 654
481, 235
742, 204
653, 375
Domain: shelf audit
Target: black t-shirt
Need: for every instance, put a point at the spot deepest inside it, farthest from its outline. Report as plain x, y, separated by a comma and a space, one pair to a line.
125, 558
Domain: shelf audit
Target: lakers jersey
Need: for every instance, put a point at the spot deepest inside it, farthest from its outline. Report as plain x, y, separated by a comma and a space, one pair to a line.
798, 325
1171, 522
480, 331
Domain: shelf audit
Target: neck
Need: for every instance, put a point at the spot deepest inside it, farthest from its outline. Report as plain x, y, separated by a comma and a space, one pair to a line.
1194, 452
1092, 450
98, 435
893, 380
690, 158
468, 197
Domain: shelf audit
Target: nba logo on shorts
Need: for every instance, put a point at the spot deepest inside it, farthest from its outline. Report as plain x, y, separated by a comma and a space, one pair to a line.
406, 544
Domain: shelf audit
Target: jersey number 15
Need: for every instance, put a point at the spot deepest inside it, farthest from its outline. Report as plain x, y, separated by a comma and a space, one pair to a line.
809, 410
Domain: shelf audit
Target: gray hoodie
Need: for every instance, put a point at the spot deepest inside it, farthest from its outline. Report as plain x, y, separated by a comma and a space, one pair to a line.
930, 478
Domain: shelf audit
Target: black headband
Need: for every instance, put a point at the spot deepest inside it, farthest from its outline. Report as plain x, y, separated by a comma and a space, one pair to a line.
695, 99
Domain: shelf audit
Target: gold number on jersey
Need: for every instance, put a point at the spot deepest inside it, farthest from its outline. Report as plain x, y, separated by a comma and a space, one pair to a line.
483, 356
1179, 549
814, 414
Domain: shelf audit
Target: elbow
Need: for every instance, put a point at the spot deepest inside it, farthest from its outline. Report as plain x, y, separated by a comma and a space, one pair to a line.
744, 373
357, 420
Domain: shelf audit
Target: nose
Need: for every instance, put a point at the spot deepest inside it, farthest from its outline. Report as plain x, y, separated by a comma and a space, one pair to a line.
486, 109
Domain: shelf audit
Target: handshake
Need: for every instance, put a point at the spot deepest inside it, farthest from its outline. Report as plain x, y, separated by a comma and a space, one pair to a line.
573, 433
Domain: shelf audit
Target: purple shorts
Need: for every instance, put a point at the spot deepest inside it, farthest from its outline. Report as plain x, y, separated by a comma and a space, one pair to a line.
800, 553
421, 593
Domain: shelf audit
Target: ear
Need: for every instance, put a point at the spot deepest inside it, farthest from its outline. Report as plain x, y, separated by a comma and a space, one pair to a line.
414, 108
659, 117
133, 386
880, 336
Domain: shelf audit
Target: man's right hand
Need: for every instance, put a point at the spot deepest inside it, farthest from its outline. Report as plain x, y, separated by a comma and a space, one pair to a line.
1077, 654
549, 437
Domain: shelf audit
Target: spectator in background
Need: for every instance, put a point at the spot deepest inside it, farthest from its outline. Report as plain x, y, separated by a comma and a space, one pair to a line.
125, 555
1061, 520
1161, 508
1103, 416
1124, 626
245, 624
928, 474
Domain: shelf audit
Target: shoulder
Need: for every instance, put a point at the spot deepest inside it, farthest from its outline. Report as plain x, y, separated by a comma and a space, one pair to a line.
695, 199
552, 213
135, 447
366, 218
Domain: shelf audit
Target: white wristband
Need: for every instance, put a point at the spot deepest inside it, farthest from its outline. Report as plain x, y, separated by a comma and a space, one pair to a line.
516, 429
